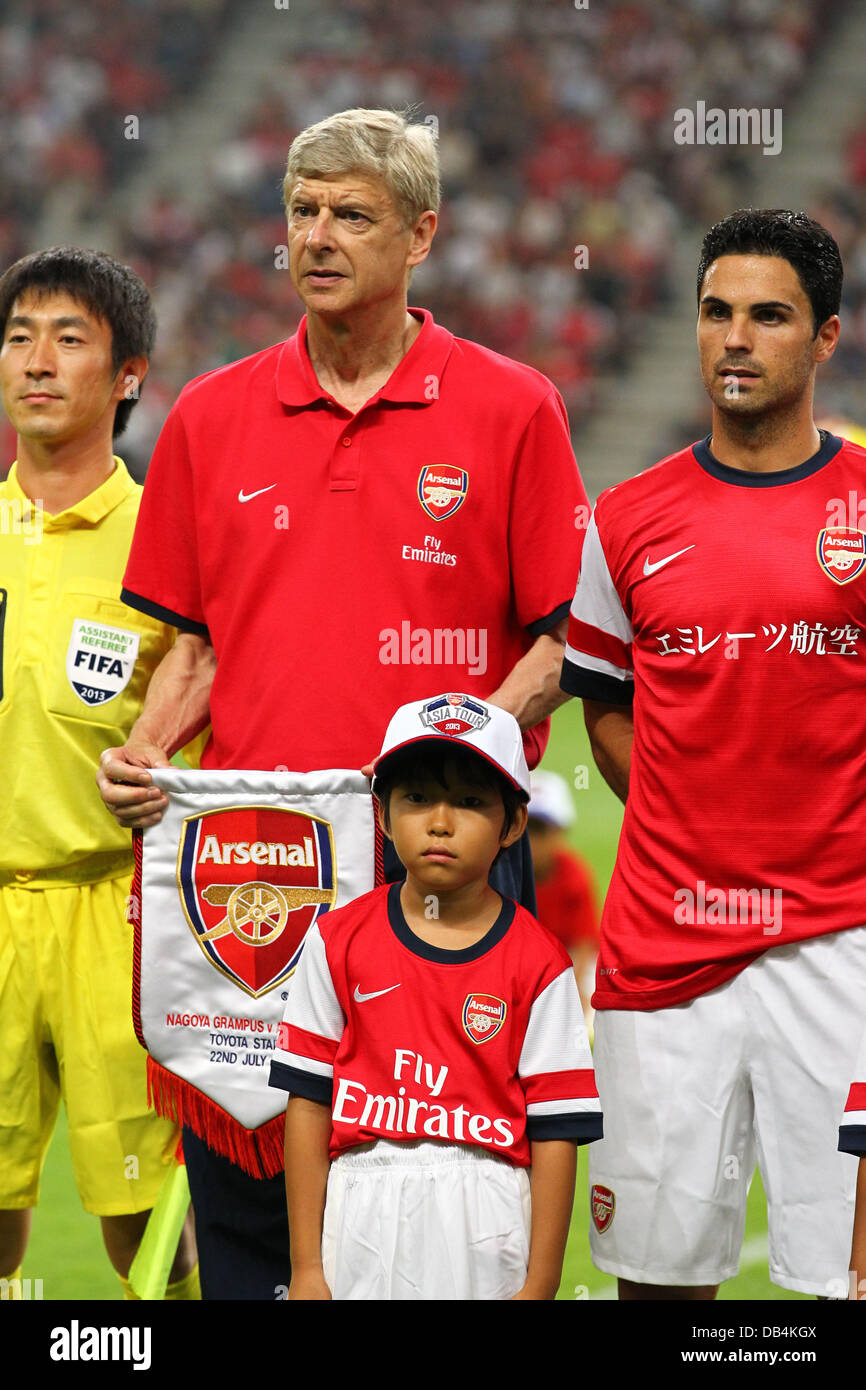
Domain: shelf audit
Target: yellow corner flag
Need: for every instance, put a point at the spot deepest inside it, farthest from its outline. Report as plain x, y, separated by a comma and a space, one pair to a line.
148, 1274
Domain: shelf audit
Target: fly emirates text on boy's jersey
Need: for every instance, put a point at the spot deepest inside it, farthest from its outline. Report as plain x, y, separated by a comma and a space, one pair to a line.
408, 1041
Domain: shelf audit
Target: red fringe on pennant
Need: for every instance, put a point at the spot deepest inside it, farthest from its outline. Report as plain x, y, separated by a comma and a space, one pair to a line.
258, 1151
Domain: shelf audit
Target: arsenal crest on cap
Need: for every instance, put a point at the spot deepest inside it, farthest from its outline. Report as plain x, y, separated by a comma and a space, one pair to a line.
252, 879
442, 489
841, 552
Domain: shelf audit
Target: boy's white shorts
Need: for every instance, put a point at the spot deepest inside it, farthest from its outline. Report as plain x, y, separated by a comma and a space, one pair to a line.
425, 1221
692, 1095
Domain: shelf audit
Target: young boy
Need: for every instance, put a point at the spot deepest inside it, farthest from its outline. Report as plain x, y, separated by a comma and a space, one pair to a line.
852, 1140
434, 1046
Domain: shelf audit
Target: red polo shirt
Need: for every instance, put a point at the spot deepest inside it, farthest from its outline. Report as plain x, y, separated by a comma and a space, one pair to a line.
343, 564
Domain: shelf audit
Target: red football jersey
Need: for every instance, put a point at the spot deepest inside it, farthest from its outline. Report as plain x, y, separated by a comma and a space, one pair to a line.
407, 1041
852, 1132
731, 606
565, 901
344, 564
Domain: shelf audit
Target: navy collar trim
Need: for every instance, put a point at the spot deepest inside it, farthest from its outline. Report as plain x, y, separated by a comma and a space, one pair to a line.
828, 449
440, 954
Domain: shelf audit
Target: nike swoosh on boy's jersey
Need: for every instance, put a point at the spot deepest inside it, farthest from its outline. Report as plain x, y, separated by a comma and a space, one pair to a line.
362, 998
650, 566
248, 496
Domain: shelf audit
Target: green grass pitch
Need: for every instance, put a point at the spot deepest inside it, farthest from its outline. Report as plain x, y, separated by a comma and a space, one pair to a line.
66, 1248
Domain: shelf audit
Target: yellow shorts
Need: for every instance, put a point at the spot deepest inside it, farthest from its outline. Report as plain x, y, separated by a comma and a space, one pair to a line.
66, 1029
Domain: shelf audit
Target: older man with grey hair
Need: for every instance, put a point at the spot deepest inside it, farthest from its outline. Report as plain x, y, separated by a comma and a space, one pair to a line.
366, 514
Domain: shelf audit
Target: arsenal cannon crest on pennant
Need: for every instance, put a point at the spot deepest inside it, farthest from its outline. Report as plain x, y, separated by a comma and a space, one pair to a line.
252, 879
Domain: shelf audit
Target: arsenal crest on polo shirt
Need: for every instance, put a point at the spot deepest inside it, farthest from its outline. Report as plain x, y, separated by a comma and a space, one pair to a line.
841, 552
252, 879
442, 489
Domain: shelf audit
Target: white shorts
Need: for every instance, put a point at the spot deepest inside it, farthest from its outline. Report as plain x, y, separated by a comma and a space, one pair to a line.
757, 1069
425, 1221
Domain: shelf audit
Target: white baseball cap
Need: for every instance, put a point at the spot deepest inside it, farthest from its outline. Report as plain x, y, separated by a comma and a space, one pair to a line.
550, 799
465, 721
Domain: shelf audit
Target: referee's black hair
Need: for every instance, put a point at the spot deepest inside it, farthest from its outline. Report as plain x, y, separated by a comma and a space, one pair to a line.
420, 760
103, 285
792, 236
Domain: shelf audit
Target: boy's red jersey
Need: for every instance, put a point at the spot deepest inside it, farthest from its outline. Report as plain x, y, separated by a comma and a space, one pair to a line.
408, 1041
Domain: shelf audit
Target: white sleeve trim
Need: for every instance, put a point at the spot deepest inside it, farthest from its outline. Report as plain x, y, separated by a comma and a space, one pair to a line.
312, 1003
556, 1038
596, 600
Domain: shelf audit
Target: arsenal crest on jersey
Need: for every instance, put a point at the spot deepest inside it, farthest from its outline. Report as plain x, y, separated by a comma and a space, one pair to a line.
603, 1205
252, 879
454, 715
483, 1016
442, 489
841, 552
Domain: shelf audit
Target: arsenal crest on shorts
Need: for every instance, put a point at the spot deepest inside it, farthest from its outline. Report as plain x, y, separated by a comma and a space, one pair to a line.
483, 1016
454, 715
603, 1205
841, 552
252, 879
442, 489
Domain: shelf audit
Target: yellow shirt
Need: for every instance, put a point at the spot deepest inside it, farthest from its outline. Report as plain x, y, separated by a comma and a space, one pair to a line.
75, 664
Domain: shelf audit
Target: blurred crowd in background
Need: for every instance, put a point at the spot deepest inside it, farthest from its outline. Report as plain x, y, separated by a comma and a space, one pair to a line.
555, 129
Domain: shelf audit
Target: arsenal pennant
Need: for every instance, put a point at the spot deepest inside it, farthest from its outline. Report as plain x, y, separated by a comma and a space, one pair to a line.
238, 869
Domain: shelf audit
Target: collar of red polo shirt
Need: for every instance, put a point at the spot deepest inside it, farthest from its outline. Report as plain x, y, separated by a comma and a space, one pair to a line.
415, 379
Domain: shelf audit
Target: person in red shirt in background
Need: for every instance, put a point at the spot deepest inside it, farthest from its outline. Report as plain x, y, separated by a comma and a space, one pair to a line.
564, 887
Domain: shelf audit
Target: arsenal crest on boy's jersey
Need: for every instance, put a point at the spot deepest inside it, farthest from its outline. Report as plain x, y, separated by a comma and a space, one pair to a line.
483, 1016
251, 880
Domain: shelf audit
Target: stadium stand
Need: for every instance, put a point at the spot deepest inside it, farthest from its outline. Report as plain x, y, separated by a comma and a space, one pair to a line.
553, 135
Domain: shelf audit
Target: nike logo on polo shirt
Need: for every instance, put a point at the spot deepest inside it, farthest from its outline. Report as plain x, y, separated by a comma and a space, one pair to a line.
248, 496
650, 567
362, 998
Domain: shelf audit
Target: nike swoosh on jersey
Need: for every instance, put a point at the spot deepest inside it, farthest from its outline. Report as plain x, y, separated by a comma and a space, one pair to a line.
248, 496
650, 567
362, 998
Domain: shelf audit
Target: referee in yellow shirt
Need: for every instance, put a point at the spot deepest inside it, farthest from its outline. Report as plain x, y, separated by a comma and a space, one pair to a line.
76, 330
